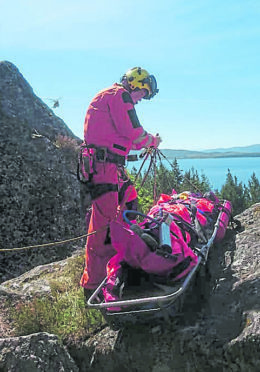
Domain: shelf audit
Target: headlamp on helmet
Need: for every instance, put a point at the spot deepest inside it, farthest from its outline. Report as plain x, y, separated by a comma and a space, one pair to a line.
137, 78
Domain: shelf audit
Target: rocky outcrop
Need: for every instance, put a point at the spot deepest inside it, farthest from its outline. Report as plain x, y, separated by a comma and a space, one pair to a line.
33, 353
34, 282
222, 334
18, 101
38, 185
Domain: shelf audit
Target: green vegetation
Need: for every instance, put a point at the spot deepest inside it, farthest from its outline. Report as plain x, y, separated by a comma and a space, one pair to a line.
163, 180
67, 143
69, 147
63, 311
241, 196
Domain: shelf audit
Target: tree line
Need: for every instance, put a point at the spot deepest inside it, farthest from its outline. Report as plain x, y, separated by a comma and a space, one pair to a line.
161, 179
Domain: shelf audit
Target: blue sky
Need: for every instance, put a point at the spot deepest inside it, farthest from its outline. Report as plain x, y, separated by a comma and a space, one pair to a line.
205, 55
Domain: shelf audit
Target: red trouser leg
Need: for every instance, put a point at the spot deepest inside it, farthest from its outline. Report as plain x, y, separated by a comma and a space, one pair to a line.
97, 252
104, 210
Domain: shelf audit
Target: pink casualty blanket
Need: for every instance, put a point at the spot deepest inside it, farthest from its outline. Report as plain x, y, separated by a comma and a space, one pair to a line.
132, 250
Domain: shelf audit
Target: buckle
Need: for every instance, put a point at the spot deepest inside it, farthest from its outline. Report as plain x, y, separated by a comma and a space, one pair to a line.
101, 154
132, 157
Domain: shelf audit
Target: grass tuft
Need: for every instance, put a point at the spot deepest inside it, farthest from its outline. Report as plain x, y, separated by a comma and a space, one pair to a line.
63, 312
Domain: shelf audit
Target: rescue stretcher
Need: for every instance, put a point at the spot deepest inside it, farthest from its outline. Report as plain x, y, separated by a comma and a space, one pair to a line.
154, 298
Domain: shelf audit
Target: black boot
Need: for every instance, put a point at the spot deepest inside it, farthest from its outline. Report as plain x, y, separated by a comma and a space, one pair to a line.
87, 293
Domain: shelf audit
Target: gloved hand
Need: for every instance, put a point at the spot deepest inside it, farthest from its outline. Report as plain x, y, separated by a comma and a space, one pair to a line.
157, 141
153, 141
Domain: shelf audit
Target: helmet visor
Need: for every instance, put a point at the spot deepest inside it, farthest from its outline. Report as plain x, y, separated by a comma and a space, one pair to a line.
151, 81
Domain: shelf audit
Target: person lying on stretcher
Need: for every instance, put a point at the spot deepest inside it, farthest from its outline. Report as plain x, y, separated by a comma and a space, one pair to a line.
189, 219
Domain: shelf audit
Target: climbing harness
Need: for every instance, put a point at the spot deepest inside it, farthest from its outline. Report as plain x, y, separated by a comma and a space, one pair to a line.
88, 156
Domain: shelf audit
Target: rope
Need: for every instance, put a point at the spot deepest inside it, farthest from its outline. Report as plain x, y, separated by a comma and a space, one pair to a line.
147, 172
145, 155
155, 175
148, 152
51, 244
189, 181
167, 178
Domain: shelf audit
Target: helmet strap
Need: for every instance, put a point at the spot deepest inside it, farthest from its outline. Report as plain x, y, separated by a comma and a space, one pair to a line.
125, 83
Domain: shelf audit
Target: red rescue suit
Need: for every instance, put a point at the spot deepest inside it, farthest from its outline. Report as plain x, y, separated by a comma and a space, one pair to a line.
111, 123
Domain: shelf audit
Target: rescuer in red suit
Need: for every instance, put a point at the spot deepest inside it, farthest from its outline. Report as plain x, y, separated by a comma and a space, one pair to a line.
111, 130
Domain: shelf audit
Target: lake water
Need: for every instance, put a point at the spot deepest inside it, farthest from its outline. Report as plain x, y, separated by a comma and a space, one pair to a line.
216, 169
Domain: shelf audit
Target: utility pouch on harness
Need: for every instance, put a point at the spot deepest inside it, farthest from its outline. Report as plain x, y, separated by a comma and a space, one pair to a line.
85, 168
87, 158
85, 171
85, 198
101, 154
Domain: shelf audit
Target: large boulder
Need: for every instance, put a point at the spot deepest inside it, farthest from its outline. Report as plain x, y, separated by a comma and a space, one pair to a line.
18, 101
38, 185
34, 353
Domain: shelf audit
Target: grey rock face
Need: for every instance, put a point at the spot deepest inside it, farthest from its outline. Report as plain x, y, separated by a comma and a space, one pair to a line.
33, 282
17, 100
33, 353
39, 191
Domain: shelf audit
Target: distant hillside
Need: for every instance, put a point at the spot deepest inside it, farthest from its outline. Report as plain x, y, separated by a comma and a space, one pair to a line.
187, 154
245, 149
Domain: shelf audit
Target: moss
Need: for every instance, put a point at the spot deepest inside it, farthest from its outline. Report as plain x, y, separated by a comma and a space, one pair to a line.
63, 312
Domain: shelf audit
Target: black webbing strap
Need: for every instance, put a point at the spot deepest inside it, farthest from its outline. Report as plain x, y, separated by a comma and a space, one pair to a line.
123, 190
103, 154
98, 190
178, 269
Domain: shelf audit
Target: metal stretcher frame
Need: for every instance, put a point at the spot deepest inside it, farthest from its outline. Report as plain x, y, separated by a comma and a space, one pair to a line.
172, 297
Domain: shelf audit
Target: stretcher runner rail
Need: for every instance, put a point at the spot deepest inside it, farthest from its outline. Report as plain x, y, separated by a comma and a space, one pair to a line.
172, 297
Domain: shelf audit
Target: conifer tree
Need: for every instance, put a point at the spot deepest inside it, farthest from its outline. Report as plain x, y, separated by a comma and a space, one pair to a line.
247, 197
254, 189
177, 175
234, 192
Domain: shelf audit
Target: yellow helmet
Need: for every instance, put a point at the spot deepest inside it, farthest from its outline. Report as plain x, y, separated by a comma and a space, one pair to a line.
138, 78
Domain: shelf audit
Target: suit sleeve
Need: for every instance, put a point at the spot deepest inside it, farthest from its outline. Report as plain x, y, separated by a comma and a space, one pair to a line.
126, 121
